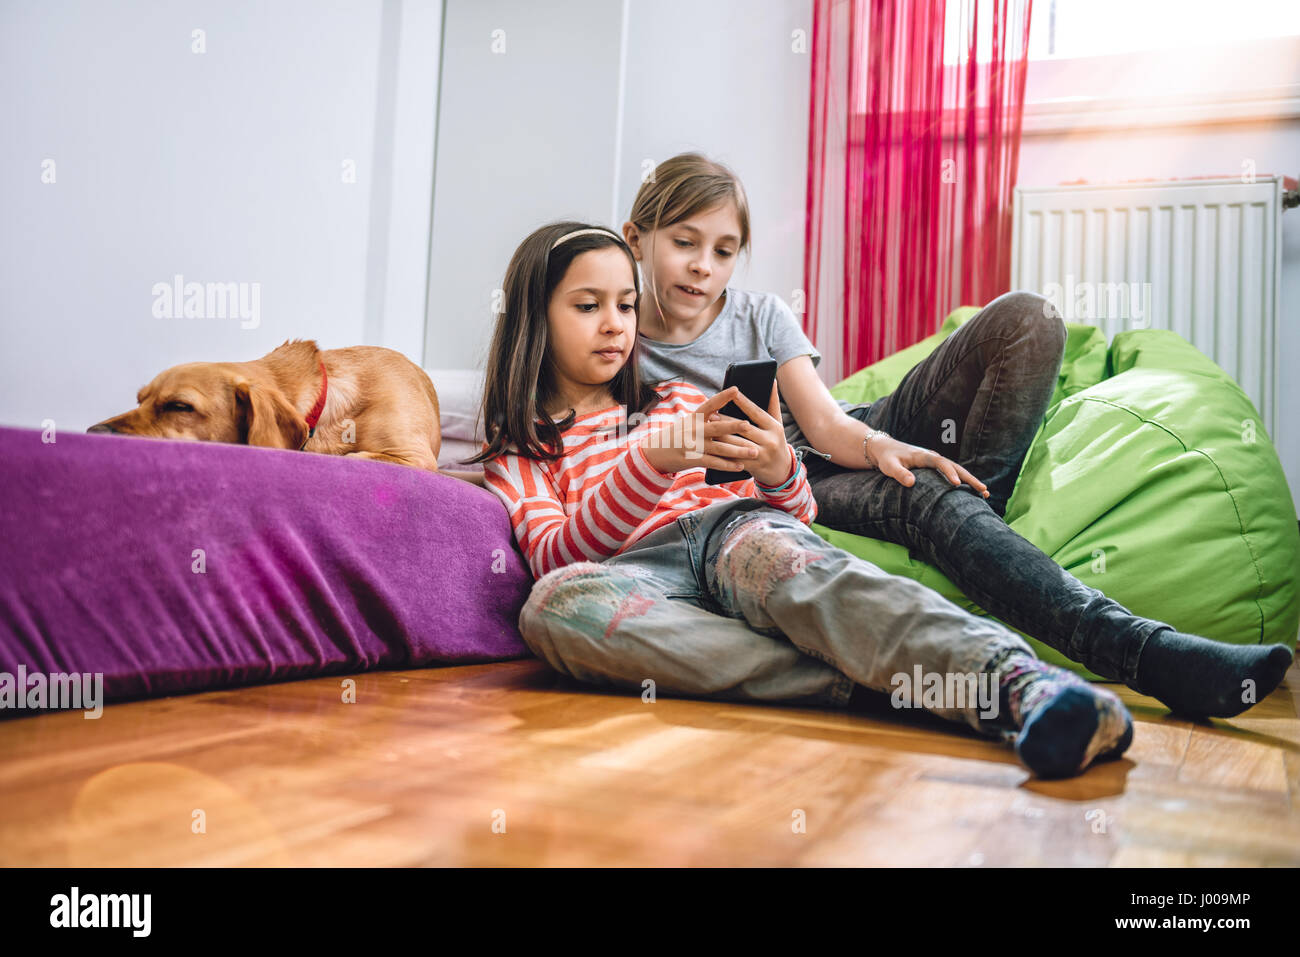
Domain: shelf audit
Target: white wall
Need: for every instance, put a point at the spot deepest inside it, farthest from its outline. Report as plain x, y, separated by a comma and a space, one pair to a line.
221, 166
732, 87
226, 166
540, 132
525, 136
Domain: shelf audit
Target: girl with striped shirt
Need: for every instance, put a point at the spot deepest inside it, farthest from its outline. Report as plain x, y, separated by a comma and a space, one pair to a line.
651, 580
605, 494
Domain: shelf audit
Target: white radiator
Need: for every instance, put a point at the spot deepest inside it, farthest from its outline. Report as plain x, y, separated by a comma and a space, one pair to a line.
1200, 257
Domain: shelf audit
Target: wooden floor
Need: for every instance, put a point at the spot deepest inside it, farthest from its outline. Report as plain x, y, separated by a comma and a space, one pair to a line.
507, 764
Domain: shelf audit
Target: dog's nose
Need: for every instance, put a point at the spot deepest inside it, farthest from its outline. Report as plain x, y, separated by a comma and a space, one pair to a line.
103, 428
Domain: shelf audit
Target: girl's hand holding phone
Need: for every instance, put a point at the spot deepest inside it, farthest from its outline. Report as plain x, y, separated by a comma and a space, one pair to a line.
770, 465
701, 439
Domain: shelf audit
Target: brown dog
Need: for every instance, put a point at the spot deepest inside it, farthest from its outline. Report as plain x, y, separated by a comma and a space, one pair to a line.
366, 401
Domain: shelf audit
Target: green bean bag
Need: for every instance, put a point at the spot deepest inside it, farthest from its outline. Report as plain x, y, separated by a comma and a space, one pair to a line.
1151, 479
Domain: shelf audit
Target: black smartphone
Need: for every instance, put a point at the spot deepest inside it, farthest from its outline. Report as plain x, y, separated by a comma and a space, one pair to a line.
754, 378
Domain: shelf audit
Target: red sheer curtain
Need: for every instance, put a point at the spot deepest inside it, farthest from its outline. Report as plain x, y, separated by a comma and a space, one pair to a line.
911, 165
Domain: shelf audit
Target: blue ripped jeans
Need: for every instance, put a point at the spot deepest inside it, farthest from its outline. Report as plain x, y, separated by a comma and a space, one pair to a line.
979, 399
742, 601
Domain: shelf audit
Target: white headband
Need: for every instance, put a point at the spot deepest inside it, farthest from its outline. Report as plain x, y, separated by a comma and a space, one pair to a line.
584, 232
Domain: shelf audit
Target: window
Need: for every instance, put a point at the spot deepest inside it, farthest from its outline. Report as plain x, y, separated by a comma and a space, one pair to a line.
1067, 29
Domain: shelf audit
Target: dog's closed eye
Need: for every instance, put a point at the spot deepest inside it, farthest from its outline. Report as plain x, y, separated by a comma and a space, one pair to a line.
177, 406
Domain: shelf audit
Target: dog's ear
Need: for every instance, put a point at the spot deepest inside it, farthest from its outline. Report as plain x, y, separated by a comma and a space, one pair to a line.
268, 418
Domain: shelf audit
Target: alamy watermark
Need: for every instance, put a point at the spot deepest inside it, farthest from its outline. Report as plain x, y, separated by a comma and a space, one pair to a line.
687, 433
1088, 301
56, 690
952, 691
75, 909
208, 300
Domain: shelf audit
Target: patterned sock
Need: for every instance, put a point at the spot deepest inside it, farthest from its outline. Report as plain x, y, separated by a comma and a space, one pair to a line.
1059, 723
1196, 676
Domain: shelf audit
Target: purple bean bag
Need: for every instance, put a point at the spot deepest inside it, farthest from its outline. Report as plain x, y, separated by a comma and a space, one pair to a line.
184, 566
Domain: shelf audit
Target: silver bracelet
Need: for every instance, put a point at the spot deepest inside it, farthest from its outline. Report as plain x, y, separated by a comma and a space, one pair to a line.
871, 434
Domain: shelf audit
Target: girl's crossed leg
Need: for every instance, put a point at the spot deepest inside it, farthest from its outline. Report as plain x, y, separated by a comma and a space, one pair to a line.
986, 388
753, 605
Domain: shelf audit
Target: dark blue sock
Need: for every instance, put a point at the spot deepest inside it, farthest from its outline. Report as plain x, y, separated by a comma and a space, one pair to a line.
1203, 678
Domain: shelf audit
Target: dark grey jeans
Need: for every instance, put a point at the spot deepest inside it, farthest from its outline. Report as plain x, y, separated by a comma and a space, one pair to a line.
979, 399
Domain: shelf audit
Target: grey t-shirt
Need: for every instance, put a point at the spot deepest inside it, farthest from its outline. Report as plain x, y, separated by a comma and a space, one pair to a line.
752, 325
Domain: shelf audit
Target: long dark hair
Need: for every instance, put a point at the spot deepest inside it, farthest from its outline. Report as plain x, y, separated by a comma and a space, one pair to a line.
520, 381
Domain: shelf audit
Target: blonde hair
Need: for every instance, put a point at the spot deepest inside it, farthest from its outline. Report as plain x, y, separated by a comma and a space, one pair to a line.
682, 187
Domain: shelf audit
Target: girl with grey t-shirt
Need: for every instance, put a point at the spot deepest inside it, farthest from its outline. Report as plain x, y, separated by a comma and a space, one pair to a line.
874, 471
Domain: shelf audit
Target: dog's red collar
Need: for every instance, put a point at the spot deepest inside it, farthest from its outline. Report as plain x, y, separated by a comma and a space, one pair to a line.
314, 415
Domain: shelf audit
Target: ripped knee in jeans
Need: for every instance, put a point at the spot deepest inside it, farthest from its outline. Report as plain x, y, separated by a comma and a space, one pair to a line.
757, 556
586, 595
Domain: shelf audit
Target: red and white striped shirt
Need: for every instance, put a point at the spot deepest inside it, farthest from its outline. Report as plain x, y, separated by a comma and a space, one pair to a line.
604, 494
